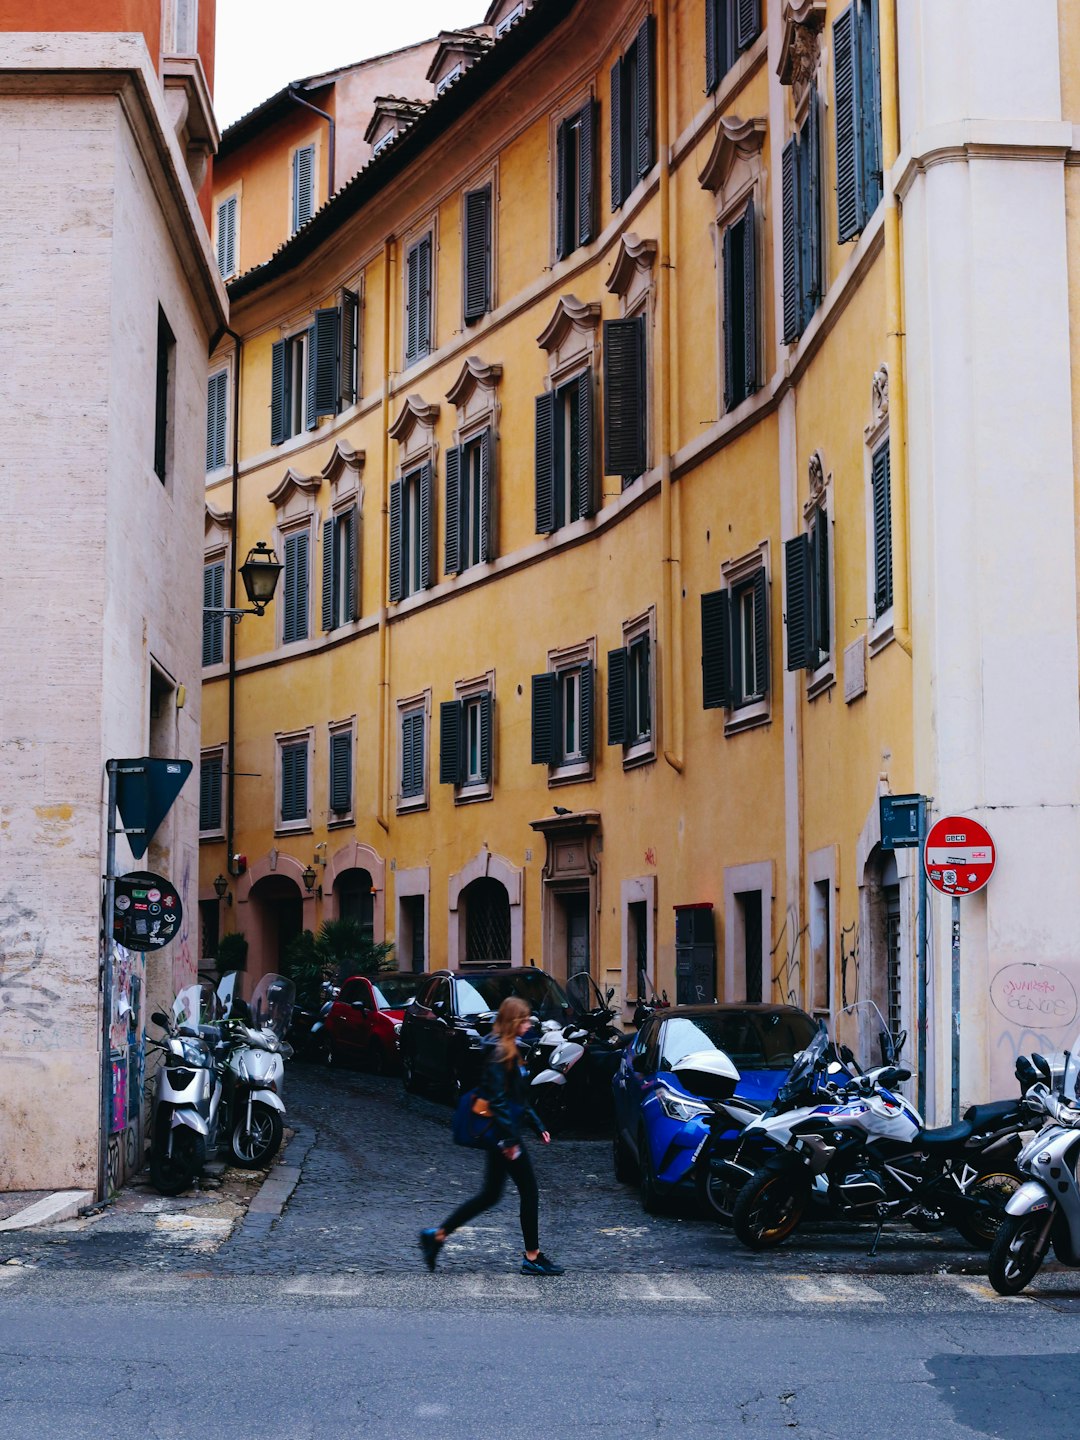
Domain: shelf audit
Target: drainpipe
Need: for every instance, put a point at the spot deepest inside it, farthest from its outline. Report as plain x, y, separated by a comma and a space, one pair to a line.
671, 646
890, 149
330, 141
384, 545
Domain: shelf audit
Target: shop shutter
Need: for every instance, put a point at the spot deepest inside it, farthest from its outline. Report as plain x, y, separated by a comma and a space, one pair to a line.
396, 590
624, 397
761, 632
729, 319
588, 130
617, 699
882, 496
789, 168
797, 599
451, 742
329, 578
454, 457
341, 772
350, 348
487, 526
847, 137
716, 650
545, 463
325, 362
618, 193
645, 100
543, 719
750, 302
747, 22
487, 712
585, 499
213, 641
279, 393
712, 53
477, 250
587, 708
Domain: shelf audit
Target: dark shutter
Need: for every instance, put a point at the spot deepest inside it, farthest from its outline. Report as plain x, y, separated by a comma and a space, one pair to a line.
588, 129
279, 402
487, 527
412, 754
427, 526
716, 650
423, 324
585, 498
213, 633
477, 251
587, 707
545, 463
812, 288
210, 793
798, 595
396, 589
296, 587
324, 364
618, 719
350, 348
789, 167
624, 397
451, 742
750, 303
563, 241
303, 185
486, 717
310, 416
216, 423
341, 773
882, 488
819, 589
329, 578
543, 719
712, 51
869, 109
412, 302
294, 802
645, 100
761, 632
454, 457
729, 318
618, 193
747, 22
847, 138
352, 564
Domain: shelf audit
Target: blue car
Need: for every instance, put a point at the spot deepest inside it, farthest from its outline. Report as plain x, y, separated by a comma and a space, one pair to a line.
676, 1064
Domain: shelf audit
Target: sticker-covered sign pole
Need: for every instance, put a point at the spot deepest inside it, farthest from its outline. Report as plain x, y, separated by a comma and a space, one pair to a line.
956, 1009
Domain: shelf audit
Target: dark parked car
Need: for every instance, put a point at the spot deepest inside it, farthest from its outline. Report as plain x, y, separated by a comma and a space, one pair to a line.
444, 1027
363, 1022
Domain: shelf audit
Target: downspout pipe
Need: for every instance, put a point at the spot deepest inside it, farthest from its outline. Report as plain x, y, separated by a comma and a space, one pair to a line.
894, 344
293, 95
230, 774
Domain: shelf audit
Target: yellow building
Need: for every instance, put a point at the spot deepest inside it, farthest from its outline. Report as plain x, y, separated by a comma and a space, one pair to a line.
626, 539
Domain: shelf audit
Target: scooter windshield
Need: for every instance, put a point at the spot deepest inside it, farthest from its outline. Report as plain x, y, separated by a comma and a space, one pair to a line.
806, 1063
272, 1003
1070, 1087
583, 993
195, 1005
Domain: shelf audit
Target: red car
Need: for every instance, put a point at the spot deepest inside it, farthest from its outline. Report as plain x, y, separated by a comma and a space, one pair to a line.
362, 1024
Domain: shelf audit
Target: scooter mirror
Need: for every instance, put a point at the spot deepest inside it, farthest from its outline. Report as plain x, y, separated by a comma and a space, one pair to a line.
610, 992
160, 1019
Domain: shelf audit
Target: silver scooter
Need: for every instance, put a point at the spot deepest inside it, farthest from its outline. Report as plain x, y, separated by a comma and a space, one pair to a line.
1046, 1208
186, 1093
251, 1060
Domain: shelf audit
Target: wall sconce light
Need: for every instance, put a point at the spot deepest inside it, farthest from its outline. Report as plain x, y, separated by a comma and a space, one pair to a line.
221, 889
309, 878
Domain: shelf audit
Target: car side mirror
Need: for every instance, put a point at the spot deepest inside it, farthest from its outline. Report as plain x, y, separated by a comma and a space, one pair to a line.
439, 1008
359, 1005
638, 1062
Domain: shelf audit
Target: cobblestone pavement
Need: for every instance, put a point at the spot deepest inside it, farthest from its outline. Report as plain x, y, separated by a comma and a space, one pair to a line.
373, 1165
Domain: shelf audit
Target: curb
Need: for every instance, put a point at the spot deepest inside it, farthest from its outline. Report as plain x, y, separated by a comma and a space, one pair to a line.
61, 1205
275, 1192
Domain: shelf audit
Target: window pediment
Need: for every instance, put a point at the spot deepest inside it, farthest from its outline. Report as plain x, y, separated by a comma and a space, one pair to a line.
632, 272
506, 10
343, 471
457, 49
392, 114
295, 494
414, 429
570, 334
217, 526
476, 376
734, 156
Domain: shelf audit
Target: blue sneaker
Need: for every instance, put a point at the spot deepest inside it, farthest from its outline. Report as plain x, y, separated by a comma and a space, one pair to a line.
431, 1247
540, 1266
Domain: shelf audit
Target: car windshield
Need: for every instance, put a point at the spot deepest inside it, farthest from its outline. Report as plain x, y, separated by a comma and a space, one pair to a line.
479, 994
753, 1040
394, 991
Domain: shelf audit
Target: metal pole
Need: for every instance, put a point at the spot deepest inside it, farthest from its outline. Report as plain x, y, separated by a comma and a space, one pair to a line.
111, 767
920, 963
956, 1009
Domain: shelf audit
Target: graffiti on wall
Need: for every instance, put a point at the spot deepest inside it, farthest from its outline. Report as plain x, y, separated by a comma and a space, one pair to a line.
849, 964
786, 958
24, 998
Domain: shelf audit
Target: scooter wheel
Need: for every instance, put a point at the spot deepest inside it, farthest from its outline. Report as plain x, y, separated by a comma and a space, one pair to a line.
769, 1207
980, 1225
1017, 1252
254, 1148
175, 1173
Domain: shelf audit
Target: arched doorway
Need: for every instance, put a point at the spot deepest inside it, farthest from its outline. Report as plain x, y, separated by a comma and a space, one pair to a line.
276, 918
487, 922
354, 892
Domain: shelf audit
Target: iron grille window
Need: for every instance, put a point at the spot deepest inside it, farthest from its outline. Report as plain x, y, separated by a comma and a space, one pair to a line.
487, 923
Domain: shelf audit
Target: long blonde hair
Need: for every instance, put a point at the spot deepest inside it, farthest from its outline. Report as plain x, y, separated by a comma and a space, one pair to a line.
511, 1013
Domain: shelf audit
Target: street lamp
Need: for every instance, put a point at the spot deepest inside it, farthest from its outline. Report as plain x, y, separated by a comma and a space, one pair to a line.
309, 878
221, 885
259, 573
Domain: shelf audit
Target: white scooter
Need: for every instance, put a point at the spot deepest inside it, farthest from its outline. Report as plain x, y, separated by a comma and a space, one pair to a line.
252, 1057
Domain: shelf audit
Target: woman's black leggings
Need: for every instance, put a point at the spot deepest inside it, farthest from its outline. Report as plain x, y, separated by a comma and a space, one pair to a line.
496, 1169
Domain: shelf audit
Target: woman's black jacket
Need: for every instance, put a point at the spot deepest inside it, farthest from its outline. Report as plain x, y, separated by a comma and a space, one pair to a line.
507, 1092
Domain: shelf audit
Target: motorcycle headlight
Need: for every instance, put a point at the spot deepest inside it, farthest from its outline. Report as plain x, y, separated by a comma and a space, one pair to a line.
193, 1052
678, 1107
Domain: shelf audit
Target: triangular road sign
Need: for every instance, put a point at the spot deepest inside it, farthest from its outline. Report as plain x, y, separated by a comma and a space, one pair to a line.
145, 791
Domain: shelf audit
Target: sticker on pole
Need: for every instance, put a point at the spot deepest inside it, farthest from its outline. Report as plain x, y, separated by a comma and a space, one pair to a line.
960, 856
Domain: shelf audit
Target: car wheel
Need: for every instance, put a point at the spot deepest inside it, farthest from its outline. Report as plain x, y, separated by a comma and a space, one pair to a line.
408, 1074
626, 1171
718, 1195
653, 1197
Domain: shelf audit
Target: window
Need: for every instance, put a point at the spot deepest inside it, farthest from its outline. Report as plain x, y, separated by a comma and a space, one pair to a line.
413, 772
565, 485
410, 946
340, 785
821, 946
210, 773
350, 347
163, 413
575, 196
857, 93
881, 485
412, 527
730, 27
562, 714
217, 416
454, 73
465, 743
213, 626
293, 785
292, 400
629, 692
297, 584
633, 125
468, 504
184, 27
476, 248
801, 171
741, 376
341, 568
226, 237
735, 643
625, 398
418, 300
806, 563
303, 186
511, 17
383, 141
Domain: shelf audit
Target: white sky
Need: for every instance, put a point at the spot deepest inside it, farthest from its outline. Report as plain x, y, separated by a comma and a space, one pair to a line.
262, 44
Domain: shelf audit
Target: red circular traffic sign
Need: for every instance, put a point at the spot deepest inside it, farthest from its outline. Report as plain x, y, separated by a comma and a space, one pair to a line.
960, 856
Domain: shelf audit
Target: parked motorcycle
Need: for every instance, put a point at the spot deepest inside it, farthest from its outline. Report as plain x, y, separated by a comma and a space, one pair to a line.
181, 1114
1045, 1210
570, 1066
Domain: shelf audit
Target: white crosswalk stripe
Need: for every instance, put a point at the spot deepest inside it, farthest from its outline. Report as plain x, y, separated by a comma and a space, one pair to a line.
658, 1287
832, 1290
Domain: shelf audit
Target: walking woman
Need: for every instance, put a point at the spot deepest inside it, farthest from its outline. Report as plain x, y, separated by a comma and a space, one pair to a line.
503, 1087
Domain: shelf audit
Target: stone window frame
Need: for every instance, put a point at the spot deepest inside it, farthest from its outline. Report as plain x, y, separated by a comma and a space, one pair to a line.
475, 396
428, 225
568, 108
881, 632
217, 833
486, 178
408, 705
571, 340
633, 280
573, 657
408, 884
281, 739
638, 890
754, 878
334, 821
735, 574
295, 502
822, 495
645, 751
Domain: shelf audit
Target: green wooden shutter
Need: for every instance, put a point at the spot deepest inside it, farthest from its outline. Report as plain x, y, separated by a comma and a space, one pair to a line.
712, 51
618, 190
869, 109
477, 253
350, 348
310, 416
729, 318
453, 538
226, 237
487, 513
423, 323
618, 719
294, 802
213, 631
848, 215
451, 742
624, 397
789, 168
544, 740
352, 564
324, 364
588, 131
217, 390
761, 632
487, 714
329, 578
747, 22
585, 497
882, 497
412, 754
297, 580
644, 119
545, 463
427, 526
396, 589
810, 145
210, 793
279, 402
716, 650
303, 186
341, 772
798, 596
750, 303
587, 726
563, 240
819, 589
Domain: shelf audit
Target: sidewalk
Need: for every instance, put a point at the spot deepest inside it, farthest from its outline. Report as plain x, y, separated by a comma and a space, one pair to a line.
12, 1201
